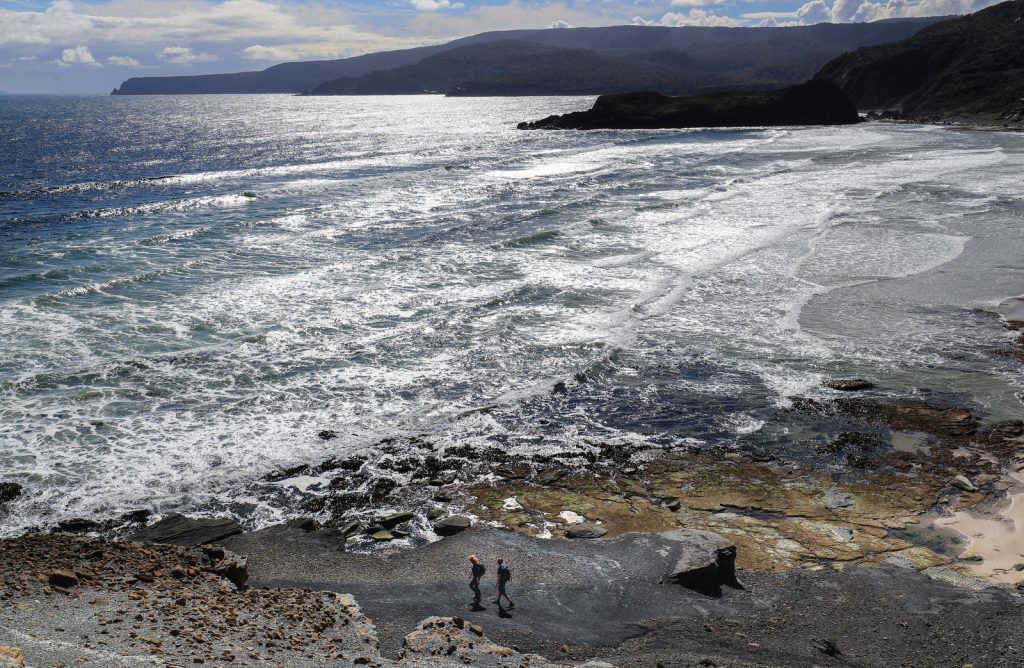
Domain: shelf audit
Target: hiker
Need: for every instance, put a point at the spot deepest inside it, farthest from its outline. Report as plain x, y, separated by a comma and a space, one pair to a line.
504, 575
478, 572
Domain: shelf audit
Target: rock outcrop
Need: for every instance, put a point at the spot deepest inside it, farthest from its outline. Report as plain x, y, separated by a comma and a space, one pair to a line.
813, 103
177, 529
9, 491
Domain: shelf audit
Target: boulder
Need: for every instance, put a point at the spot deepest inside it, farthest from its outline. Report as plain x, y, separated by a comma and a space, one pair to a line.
706, 560
383, 535
78, 525
585, 530
60, 577
137, 516
232, 567
303, 523
848, 384
351, 527
177, 529
964, 483
549, 476
9, 491
452, 525
391, 521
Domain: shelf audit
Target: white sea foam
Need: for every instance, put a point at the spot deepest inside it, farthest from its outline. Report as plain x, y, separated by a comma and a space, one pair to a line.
375, 293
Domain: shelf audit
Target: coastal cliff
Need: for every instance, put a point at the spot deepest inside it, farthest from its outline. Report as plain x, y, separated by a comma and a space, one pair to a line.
813, 103
968, 67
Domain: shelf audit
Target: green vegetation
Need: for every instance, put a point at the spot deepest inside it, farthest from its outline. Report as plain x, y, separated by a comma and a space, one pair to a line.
969, 66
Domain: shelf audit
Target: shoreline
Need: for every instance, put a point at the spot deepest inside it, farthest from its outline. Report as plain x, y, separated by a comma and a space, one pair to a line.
851, 533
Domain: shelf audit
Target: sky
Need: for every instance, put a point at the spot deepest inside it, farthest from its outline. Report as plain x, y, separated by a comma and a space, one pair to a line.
71, 46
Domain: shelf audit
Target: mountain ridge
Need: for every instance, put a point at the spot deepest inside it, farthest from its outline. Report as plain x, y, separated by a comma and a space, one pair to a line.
776, 55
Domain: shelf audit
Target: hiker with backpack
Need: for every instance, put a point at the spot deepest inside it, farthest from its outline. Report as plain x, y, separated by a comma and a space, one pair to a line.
478, 572
504, 575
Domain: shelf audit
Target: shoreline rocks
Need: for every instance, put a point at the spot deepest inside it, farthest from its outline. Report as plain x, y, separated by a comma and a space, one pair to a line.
176, 529
816, 102
9, 491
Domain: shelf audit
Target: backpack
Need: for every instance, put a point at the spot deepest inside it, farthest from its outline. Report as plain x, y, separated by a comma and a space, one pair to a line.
478, 570
504, 573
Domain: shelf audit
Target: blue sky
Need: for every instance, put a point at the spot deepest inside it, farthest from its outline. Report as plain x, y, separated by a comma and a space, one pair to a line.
67, 46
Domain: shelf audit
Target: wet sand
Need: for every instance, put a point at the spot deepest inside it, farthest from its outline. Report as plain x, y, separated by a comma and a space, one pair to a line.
998, 540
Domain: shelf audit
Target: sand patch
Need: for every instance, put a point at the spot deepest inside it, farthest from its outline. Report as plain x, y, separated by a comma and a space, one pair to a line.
998, 541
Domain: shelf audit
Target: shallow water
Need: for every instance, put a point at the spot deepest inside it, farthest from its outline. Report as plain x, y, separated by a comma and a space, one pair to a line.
191, 288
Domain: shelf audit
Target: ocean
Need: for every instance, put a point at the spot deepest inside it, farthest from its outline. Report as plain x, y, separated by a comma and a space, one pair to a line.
196, 292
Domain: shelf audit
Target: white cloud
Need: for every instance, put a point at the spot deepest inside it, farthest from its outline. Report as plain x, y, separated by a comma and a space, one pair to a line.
76, 55
559, 24
694, 17
260, 52
183, 55
435, 5
813, 12
845, 11
123, 61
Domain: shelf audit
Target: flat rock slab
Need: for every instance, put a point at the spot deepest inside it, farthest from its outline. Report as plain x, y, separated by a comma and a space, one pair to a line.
611, 584
610, 598
177, 529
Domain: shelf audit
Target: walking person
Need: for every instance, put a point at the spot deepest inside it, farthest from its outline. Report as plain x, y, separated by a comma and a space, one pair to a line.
478, 572
504, 575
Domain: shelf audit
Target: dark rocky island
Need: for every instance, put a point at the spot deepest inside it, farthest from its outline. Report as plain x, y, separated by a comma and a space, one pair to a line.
816, 102
966, 68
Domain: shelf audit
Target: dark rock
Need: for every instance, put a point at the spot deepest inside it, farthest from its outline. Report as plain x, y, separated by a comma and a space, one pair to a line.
912, 415
9, 491
213, 552
351, 528
303, 523
549, 476
707, 562
177, 529
848, 384
451, 525
860, 441
585, 530
559, 388
816, 102
78, 525
435, 512
327, 434
145, 577
60, 577
391, 521
137, 516
232, 567
826, 647
382, 487
443, 496
1007, 429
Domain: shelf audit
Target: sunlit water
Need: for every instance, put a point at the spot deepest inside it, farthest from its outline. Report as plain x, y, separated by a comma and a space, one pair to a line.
192, 288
